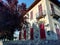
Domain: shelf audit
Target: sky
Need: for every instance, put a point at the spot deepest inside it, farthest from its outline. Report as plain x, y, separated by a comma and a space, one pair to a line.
28, 2
59, 0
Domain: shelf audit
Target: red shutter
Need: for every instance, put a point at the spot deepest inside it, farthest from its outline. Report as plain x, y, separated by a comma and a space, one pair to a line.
40, 10
31, 34
20, 35
52, 8
31, 15
58, 32
42, 31
25, 34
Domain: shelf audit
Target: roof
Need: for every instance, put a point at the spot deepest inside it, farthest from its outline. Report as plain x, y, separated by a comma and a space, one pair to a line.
34, 3
37, 1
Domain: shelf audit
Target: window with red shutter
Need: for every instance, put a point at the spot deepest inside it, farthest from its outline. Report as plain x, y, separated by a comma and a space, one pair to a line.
31, 34
40, 9
57, 30
31, 15
42, 31
25, 34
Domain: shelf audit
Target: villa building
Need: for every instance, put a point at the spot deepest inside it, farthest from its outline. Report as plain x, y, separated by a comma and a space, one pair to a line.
43, 18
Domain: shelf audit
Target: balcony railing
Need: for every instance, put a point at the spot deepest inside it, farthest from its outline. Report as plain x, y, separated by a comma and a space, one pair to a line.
38, 16
56, 20
57, 10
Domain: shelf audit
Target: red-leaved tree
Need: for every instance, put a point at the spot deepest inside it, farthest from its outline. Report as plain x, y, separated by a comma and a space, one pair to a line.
11, 17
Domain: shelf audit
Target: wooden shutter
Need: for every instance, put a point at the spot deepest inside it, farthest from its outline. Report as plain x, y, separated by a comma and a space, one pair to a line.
52, 8
58, 32
31, 34
25, 34
31, 15
40, 9
42, 31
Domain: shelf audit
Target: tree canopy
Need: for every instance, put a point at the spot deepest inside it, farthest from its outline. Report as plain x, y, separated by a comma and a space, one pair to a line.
11, 17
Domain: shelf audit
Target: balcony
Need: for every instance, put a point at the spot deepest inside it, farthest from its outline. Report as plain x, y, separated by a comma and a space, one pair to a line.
56, 20
57, 10
38, 16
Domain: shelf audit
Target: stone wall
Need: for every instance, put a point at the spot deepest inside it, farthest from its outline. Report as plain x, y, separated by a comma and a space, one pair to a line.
32, 42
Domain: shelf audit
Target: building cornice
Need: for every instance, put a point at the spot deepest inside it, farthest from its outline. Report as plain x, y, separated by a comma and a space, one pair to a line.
37, 1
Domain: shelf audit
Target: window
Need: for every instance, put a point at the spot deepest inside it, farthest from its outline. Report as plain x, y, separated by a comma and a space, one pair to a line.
55, 25
40, 10
48, 32
28, 15
42, 31
52, 8
31, 15
31, 34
